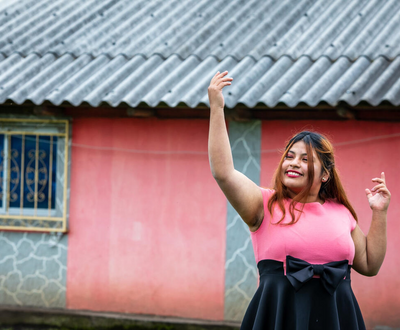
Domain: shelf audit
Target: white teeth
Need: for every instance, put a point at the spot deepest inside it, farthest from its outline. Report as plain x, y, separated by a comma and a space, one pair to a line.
293, 173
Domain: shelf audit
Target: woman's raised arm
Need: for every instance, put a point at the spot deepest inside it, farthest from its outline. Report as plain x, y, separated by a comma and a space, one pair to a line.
244, 195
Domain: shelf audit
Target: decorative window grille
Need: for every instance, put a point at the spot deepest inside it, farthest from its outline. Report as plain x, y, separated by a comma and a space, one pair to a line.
33, 174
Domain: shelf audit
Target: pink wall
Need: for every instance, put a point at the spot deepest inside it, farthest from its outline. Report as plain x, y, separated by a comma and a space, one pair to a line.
358, 163
146, 234
132, 246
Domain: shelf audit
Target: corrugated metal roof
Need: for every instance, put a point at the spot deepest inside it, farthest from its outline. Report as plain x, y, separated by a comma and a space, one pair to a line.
175, 81
165, 52
221, 28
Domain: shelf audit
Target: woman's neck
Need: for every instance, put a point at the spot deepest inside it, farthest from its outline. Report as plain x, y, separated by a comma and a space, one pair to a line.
311, 198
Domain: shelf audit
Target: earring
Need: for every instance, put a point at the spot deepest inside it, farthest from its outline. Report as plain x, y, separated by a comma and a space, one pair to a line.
323, 179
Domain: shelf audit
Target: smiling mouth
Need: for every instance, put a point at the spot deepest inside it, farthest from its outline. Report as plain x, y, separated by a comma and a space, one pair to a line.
291, 174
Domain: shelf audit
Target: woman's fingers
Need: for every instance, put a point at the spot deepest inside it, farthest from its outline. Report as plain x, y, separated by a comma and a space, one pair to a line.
214, 78
378, 180
222, 77
379, 196
218, 76
381, 179
379, 186
224, 84
383, 191
218, 82
221, 85
224, 81
377, 190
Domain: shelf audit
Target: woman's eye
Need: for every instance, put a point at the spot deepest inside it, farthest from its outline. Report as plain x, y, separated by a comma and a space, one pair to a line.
288, 156
305, 159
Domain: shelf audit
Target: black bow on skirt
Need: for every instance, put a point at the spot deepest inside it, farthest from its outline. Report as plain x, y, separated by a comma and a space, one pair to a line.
298, 272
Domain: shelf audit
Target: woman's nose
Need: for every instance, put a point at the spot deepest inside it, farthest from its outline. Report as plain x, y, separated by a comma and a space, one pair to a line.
295, 161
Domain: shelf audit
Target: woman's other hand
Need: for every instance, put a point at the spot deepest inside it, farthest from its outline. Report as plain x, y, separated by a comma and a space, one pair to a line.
218, 82
371, 249
379, 196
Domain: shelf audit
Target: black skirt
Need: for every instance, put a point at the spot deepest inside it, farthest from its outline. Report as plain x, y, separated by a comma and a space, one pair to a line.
276, 304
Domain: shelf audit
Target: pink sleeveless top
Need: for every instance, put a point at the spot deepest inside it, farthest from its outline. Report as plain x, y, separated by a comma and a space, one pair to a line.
322, 233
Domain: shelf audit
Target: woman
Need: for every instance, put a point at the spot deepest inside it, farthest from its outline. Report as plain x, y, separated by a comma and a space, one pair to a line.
304, 231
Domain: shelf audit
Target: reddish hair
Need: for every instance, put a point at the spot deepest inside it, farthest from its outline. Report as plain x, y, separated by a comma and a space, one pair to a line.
331, 189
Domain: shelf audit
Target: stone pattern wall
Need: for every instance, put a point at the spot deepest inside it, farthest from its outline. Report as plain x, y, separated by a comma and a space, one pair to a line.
240, 267
33, 266
33, 269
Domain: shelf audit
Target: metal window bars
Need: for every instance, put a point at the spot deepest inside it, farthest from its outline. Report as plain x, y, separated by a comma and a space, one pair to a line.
35, 175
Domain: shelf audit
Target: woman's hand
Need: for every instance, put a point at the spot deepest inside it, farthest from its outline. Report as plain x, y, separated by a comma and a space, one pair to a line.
379, 201
218, 82
371, 250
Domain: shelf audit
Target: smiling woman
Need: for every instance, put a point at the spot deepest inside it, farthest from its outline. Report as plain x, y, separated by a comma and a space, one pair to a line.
304, 231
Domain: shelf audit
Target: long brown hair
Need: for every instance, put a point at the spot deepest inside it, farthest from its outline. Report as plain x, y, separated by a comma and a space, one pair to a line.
331, 189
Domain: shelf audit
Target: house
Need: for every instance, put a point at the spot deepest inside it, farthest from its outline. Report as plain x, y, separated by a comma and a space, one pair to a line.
108, 203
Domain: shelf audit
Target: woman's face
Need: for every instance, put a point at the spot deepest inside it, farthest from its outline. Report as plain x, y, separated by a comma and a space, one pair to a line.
295, 170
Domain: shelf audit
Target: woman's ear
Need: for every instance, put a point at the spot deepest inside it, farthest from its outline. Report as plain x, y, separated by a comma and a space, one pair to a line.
325, 177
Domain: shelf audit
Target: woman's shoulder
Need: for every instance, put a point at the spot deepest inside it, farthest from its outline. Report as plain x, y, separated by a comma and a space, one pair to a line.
267, 193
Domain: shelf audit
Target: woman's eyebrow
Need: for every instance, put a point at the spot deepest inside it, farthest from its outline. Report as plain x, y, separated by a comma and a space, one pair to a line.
305, 154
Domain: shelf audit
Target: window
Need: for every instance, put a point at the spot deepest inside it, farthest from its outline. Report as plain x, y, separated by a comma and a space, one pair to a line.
33, 174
